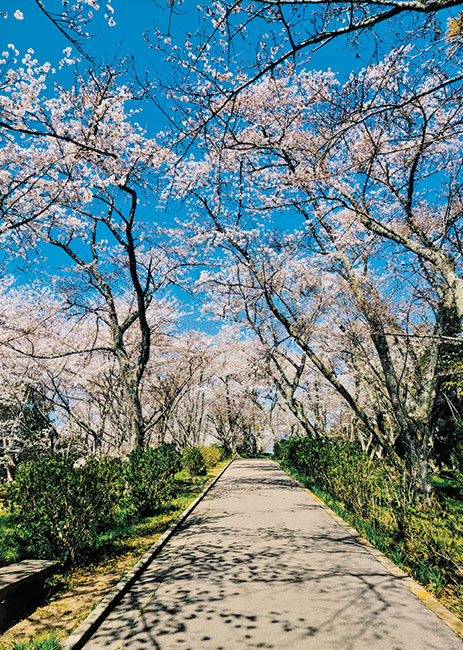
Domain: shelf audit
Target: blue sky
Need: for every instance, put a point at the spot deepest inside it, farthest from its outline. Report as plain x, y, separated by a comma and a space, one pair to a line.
36, 31
125, 39
135, 18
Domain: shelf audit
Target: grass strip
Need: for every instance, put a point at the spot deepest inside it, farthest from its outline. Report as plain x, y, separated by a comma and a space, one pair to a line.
448, 591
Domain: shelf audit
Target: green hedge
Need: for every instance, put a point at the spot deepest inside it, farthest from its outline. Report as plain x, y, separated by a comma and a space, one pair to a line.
61, 511
150, 474
211, 455
340, 468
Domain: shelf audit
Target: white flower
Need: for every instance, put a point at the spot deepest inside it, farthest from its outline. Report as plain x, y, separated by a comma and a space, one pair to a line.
18, 15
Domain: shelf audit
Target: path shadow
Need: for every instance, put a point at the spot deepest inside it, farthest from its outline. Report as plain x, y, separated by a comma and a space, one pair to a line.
230, 580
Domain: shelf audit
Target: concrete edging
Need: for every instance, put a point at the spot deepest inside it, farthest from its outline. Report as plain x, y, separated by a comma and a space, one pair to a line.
418, 590
82, 634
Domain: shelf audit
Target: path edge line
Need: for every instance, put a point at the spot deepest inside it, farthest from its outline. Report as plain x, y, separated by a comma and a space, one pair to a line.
430, 601
90, 624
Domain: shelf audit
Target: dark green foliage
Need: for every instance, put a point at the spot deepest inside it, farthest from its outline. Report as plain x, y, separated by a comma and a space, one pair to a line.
225, 452
374, 497
277, 449
60, 510
150, 476
71, 513
10, 550
248, 448
193, 462
447, 413
342, 469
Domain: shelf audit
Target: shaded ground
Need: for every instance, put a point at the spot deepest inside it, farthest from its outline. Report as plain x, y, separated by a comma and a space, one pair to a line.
85, 587
260, 564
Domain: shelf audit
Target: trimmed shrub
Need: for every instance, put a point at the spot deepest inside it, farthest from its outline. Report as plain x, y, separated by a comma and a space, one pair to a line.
10, 550
193, 461
211, 455
60, 510
150, 476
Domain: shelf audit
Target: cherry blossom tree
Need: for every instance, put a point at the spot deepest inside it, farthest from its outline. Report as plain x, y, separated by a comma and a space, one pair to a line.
195, 389
233, 44
374, 176
27, 425
223, 389
326, 213
74, 167
71, 20
46, 345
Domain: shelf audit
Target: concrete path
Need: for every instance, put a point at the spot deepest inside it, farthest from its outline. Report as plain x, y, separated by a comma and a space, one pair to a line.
259, 564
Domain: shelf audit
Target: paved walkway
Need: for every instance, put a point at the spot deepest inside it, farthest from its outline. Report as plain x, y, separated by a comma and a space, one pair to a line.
260, 565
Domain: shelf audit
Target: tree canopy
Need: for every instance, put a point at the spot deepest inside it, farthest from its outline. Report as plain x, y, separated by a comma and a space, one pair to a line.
310, 208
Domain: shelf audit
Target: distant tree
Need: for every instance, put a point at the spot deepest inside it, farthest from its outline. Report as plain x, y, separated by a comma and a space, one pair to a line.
26, 427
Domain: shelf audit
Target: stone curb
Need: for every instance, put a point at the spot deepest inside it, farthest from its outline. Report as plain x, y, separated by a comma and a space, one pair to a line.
418, 590
86, 629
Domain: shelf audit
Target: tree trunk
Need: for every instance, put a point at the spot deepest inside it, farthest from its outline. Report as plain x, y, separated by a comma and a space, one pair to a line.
137, 426
135, 413
421, 482
417, 461
10, 469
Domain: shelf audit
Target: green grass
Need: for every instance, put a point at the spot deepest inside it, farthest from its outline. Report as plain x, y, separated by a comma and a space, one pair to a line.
9, 546
43, 642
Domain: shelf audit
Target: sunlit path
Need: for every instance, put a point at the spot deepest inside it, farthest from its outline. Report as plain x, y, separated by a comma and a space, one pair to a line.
260, 565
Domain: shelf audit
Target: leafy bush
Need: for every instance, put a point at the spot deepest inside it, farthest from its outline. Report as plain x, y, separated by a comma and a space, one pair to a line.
193, 461
225, 452
211, 455
71, 505
248, 447
150, 476
277, 448
342, 469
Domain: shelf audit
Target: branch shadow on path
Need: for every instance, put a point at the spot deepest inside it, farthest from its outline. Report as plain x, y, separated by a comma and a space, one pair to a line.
261, 565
